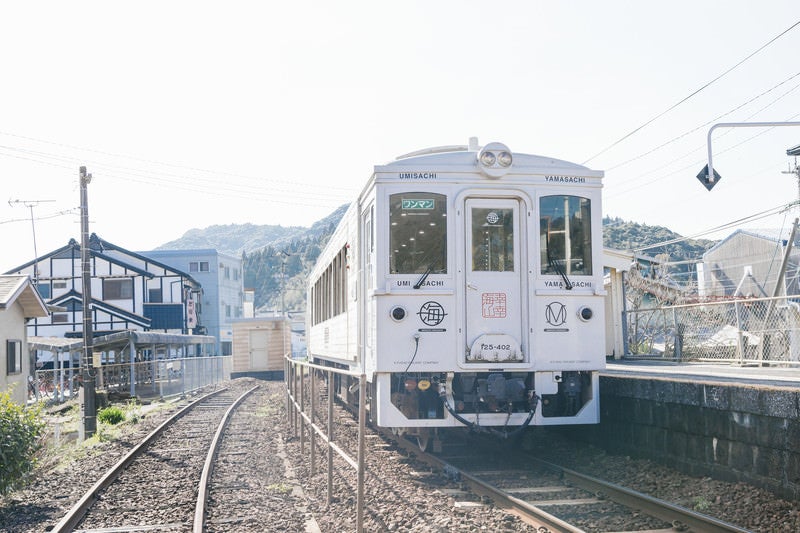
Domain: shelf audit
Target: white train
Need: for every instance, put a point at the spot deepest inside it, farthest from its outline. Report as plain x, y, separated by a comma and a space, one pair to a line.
466, 283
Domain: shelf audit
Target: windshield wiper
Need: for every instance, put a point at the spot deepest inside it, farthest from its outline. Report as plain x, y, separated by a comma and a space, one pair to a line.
422, 278
555, 266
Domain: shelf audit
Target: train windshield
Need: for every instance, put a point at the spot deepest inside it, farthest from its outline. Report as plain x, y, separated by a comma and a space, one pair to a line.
566, 235
492, 240
418, 234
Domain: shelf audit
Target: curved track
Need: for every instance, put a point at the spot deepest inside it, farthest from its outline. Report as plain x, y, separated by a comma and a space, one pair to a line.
161, 484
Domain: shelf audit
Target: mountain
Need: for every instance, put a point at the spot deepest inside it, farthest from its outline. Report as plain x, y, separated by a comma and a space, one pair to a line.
623, 235
277, 260
233, 239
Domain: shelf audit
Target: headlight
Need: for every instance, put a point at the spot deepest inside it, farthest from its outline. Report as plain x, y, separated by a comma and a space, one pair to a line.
488, 159
495, 160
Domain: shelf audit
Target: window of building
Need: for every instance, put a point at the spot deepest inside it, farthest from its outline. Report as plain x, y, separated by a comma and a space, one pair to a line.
198, 266
60, 318
13, 357
565, 235
44, 290
117, 289
227, 272
155, 296
59, 285
418, 233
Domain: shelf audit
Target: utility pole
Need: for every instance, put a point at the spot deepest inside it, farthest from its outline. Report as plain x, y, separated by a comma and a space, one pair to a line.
87, 394
795, 152
30, 204
283, 298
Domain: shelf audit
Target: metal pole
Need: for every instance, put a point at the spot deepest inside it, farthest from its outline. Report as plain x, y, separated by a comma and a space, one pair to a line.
362, 425
88, 400
132, 348
311, 432
739, 125
330, 436
302, 409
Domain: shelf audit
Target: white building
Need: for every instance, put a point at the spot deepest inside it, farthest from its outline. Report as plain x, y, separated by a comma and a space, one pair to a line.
19, 302
128, 292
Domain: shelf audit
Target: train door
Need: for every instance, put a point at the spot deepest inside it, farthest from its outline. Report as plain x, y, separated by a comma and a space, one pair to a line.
494, 289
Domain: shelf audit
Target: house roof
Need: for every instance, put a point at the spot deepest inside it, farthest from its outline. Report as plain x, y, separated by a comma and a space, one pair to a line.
113, 310
19, 289
98, 247
794, 150
776, 235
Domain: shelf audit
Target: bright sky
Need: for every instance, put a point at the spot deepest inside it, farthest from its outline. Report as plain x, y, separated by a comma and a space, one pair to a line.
190, 114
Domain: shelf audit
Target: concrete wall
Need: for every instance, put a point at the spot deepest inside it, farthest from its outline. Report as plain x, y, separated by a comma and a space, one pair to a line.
728, 432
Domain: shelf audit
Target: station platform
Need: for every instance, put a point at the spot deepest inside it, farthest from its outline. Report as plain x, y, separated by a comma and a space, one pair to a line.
738, 423
723, 373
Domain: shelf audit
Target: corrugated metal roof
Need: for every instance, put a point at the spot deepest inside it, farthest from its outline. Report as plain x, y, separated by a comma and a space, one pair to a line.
795, 150
63, 344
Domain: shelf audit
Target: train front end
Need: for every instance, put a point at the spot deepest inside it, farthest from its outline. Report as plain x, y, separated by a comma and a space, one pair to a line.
483, 285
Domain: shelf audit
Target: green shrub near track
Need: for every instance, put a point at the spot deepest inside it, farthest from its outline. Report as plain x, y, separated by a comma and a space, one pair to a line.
20, 431
111, 415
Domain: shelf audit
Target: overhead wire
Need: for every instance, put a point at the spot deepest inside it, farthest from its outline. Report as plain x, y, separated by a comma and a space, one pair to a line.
709, 122
298, 195
750, 218
163, 163
697, 91
694, 163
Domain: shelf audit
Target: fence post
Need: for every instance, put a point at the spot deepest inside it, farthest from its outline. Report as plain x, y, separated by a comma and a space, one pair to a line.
311, 430
739, 336
302, 409
362, 423
330, 436
679, 330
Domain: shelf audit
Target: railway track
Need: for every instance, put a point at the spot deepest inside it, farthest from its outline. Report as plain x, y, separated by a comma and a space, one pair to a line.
553, 498
162, 483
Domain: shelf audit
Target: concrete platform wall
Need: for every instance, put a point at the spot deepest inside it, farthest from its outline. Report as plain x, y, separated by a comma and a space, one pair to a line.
727, 432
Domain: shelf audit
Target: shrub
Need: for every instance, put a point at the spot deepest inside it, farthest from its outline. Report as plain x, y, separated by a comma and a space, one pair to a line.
20, 432
111, 415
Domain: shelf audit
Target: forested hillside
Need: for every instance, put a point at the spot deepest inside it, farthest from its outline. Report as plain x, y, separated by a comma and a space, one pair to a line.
274, 253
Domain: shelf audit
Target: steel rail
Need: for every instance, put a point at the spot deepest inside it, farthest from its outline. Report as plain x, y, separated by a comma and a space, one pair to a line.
669, 512
208, 466
530, 514
678, 516
77, 512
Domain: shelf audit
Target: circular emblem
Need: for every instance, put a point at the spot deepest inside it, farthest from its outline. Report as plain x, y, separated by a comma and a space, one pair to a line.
431, 313
492, 217
555, 313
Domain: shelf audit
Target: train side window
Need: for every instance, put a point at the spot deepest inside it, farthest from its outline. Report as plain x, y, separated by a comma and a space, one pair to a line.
418, 233
566, 235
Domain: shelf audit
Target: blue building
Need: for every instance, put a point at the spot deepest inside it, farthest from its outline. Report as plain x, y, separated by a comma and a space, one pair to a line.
222, 298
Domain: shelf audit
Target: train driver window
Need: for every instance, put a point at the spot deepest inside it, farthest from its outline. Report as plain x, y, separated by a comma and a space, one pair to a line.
492, 240
418, 233
566, 235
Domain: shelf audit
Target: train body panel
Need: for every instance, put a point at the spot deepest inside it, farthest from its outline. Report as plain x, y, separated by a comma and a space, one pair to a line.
468, 288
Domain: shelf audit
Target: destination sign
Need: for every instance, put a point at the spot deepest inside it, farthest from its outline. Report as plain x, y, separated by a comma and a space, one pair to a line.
418, 204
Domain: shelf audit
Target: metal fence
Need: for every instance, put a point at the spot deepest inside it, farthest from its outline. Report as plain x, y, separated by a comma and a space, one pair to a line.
145, 379
751, 330
309, 403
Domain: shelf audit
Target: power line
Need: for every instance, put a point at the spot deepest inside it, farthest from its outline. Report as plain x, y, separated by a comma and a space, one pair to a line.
749, 218
712, 121
673, 106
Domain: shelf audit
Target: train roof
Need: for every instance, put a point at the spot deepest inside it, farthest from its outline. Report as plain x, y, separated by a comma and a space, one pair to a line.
459, 158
